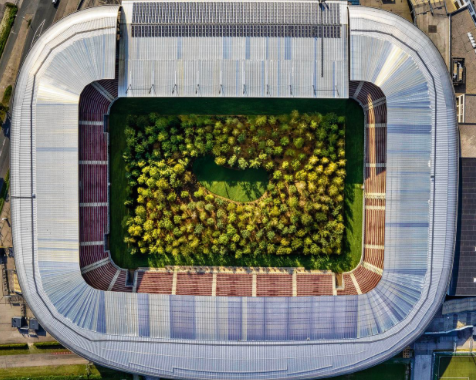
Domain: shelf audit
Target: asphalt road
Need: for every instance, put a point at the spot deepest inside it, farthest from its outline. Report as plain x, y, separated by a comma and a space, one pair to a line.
44, 14
28, 7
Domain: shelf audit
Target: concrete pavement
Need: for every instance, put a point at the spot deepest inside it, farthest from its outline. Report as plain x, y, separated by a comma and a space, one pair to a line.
423, 369
8, 334
5, 230
39, 360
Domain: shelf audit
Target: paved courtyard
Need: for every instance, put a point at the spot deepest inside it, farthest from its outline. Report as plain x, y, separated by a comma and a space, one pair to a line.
461, 24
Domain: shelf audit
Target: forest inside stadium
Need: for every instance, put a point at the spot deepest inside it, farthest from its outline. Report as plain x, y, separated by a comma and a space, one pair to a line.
237, 183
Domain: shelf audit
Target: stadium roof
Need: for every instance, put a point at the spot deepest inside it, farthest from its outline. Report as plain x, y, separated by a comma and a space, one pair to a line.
235, 337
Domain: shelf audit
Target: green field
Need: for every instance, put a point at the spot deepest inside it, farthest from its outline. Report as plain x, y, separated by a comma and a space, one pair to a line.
393, 369
354, 141
62, 372
455, 367
237, 185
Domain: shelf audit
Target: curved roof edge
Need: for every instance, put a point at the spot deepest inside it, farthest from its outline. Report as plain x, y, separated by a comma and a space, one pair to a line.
52, 77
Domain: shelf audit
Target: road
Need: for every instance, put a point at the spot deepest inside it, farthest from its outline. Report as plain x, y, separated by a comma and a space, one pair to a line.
27, 7
44, 13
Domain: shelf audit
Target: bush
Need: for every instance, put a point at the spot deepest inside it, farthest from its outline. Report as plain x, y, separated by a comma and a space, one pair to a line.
7, 95
4, 190
7, 23
48, 345
14, 346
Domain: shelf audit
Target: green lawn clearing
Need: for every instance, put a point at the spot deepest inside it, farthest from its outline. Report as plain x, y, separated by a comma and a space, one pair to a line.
238, 185
354, 146
455, 367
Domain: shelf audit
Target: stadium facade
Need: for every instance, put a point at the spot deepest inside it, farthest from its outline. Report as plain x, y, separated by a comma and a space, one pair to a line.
237, 49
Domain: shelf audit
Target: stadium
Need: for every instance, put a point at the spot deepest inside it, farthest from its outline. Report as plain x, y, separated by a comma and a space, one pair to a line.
207, 323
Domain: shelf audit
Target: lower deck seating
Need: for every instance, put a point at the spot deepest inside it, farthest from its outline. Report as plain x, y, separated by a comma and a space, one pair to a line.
366, 279
101, 277
94, 103
374, 256
231, 284
92, 141
120, 283
274, 285
314, 284
93, 183
349, 288
93, 223
154, 282
93, 192
195, 284
91, 254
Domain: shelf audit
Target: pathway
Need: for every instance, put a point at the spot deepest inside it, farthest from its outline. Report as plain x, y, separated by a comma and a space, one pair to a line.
38, 360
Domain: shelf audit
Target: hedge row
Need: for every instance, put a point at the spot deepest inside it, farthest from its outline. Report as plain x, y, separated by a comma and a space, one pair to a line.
7, 23
14, 346
48, 345
4, 190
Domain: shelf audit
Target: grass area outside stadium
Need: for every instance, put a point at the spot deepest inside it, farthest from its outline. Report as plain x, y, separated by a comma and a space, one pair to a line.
449, 366
63, 372
354, 146
394, 369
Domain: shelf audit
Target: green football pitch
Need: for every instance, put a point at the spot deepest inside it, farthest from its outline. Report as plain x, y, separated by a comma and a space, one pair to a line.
455, 367
354, 146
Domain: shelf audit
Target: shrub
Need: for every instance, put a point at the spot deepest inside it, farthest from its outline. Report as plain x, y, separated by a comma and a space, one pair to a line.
48, 345
14, 346
7, 23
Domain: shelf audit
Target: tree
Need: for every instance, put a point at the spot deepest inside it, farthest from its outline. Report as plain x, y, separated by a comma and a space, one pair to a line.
172, 214
242, 164
220, 161
299, 142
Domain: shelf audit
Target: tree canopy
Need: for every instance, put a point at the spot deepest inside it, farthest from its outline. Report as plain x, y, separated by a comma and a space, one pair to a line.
301, 211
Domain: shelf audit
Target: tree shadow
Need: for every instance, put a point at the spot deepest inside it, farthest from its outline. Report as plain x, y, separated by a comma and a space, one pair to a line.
110, 374
252, 189
349, 198
6, 127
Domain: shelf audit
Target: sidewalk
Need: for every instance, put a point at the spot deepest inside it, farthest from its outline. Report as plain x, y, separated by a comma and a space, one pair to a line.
37, 360
65, 8
5, 227
13, 65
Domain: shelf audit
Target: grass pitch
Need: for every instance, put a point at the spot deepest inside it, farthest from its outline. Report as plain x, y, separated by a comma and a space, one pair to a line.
354, 140
455, 367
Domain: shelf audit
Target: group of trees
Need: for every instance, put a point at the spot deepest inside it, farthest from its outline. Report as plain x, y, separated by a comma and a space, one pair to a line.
301, 211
